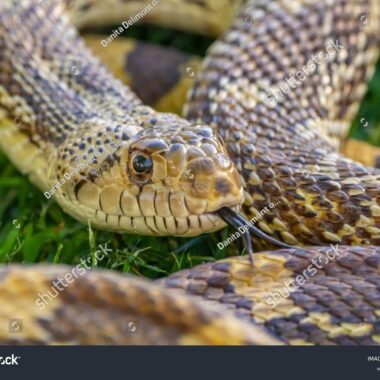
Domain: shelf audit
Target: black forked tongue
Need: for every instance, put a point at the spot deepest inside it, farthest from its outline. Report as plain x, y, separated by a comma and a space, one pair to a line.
235, 220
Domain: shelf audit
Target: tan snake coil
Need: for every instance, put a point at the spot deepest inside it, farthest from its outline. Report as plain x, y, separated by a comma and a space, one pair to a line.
158, 174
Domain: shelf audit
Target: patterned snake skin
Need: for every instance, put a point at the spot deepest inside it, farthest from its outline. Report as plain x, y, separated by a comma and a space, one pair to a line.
285, 149
158, 174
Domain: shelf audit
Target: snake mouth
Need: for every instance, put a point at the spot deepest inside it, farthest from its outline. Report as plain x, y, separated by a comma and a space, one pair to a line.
232, 218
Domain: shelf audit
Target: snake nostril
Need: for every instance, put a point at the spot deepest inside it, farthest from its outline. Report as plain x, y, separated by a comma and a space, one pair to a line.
223, 186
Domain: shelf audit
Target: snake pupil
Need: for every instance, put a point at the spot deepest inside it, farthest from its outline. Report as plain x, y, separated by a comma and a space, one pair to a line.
142, 164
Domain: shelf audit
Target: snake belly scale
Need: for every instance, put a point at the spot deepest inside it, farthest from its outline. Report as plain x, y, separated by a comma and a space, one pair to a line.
159, 174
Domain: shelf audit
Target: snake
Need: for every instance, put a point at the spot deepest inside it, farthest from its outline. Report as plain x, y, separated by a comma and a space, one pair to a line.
161, 76
258, 142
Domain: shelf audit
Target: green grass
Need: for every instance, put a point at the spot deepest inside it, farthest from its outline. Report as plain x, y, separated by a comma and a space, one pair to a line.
370, 111
34, 229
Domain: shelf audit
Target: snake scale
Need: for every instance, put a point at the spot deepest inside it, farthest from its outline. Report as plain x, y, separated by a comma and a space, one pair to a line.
161, 77
158, 174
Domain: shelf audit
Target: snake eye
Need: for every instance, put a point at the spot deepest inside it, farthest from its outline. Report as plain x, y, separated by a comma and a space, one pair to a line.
142, 164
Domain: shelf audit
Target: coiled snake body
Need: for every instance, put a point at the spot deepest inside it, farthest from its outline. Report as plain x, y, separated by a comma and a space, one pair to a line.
248, 141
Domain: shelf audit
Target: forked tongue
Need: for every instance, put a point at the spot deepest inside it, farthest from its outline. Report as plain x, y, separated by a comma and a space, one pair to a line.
235, 220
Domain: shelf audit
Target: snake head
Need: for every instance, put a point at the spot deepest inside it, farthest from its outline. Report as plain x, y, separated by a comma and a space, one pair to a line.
160, 181
181, 177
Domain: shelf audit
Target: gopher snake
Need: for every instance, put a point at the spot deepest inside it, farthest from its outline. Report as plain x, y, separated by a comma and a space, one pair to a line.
158, 174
